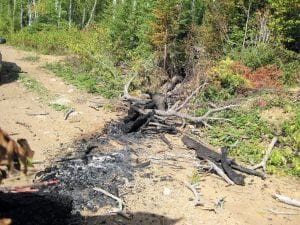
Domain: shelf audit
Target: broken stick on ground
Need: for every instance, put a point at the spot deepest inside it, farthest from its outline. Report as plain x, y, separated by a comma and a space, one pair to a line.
263, 163
119, 210
192, 187
287, 200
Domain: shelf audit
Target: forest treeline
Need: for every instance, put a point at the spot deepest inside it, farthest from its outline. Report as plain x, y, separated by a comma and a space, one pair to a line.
237, 47
159, 39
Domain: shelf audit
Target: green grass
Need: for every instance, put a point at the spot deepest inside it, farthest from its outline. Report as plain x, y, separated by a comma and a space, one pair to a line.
96, 81
31, 58
42, 92
34, 86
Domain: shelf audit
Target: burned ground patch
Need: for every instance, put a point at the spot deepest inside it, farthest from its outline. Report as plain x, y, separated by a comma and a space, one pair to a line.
78, 176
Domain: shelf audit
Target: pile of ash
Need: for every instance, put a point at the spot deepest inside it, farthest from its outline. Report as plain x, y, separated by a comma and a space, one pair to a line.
79, 175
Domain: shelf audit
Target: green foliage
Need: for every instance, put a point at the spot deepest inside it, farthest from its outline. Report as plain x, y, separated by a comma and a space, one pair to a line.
251, 136
254, 57
35, 86
94, 81
285, 21
31, 58
224, 82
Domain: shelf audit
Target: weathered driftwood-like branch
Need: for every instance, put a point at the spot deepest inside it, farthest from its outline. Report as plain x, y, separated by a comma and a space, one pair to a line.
128, 97
282, 213
118, 210
192, 187
196, 91
263, 163
287, 200
220, 172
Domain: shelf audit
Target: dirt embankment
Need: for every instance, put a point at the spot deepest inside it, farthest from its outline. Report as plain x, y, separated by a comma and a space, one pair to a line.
157, 193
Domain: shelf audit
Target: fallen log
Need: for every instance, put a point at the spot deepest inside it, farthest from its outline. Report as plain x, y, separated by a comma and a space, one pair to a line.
206, 153
236, 178
202, 151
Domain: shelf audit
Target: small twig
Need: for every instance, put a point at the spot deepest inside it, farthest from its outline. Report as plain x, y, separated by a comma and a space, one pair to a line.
282, 213
286, 200
94, 107
118, 210
263, 163
192, 187
69, 113
166, 141
37, 114
220, 172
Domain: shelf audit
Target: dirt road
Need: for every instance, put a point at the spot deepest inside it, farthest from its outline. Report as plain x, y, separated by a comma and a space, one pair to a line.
24, 115
159, 189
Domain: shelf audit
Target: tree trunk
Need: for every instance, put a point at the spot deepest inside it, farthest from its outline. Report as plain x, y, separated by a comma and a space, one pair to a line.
21, 14
246, 26
29, 13
83, 16
92, 14
70, 14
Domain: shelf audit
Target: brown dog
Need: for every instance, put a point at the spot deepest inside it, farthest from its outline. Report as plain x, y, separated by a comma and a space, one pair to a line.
11, 152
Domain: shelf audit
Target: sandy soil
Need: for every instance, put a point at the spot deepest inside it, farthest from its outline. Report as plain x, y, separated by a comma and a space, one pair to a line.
157, 189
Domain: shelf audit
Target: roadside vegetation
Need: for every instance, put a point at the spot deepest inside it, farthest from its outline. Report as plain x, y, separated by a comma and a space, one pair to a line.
43, 93
246, 51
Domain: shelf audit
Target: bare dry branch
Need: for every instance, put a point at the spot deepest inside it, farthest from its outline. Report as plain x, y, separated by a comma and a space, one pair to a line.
196, 91
263, 163
286, 200
220, 172
282, 213
118, 210
192, 187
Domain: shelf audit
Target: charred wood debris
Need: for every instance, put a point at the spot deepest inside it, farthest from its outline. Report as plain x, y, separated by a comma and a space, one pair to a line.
154, 115
92, 178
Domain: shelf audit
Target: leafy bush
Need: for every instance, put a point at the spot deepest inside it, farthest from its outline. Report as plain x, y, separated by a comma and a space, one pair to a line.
224, 82
254, 57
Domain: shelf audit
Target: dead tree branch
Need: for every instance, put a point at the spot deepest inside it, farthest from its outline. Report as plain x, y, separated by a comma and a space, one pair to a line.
282, 213
192, 187
263, 163
118, 210
196, 91
220, 172
286, 200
